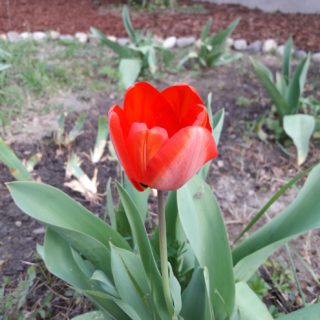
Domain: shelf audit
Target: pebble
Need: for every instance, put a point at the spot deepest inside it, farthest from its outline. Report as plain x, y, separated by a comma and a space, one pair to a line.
39, 36
123, 41
54, 35
13, 36
3, 37
300, 54
18, 223
185, 41
220, 163
40, 230
230, 42
26, 35
316, 57
112, 38
255, 46
169, 42
66, 37
240, 44
81, 37
269, 46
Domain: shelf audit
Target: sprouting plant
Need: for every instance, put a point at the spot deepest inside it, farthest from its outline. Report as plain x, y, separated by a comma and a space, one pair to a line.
140, 55
65, 139
212, 49
101, 140
286, 92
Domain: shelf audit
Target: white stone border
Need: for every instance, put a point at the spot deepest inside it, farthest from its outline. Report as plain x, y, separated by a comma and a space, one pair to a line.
266, 46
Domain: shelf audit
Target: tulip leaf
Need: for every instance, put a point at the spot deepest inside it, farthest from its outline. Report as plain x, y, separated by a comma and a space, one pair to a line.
195, 300
129, 71
92, 315
131, 281
100, 277
299, 217
203, 225
16, 167
217, 125
175, 290
311, 312
286, 65
248, 305
142, 242
59, 259
299, 127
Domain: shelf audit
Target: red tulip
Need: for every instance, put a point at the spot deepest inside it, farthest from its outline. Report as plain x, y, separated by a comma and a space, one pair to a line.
161, 138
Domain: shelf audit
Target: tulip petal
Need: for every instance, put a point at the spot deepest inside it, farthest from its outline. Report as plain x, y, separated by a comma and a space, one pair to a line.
143, 144
187, 105
180, 158
118, 140
144, 103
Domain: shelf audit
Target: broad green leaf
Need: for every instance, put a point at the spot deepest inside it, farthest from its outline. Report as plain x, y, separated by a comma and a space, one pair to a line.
299, 127
122, 51
265, 76
195, 298
59, 260
129, 71
310, 312
286, 64
296, 85
248, 305
128, 25
131, 281
175, 290
301, 215
203, 225
104, 282
206, 30
141, 240
15, 166
92, 315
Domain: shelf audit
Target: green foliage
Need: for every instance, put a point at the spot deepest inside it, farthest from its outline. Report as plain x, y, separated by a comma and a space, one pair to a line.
138, 57
212, 49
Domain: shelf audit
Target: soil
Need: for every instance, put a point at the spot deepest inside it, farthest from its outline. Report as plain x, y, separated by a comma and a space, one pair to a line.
187, 19
246, 174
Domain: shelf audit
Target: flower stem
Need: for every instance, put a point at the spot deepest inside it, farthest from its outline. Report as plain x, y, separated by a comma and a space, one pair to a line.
163, 251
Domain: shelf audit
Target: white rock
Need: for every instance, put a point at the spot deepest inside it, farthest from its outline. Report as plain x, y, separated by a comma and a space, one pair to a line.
269, 46
81, 37
220, 163
185, 41
123, 41
316, 57
66, 37
230, 42
26, 35
54, 35
240, 44
39, 36
300, 54
112, 38
39, 230
255, 46
13, 36
3, 37
169, 42
18, 223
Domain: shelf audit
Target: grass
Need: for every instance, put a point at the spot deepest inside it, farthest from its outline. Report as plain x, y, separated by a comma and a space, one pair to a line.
41, 71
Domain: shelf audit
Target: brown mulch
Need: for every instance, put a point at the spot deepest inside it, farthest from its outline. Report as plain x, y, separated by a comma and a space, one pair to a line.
78, 15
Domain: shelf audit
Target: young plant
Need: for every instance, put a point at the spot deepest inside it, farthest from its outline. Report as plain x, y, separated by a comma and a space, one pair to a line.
139, 56
212, 49
286, 93
133, 276
101, 140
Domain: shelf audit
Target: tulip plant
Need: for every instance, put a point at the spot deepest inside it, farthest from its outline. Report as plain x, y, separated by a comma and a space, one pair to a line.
183, 267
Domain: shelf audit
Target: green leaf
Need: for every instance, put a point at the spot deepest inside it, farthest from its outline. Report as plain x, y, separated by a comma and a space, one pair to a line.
206, 30
296, 85
217, 125
16, 167
107, 286
110, 206
131, 281
202, 223
101, 140
299, 127
128, 25
122, 51
195, 299
92, 315
310, 312
299, 217
175, 290
286, 64
76, 130
141, 240
248, 305
265, 76
129, 71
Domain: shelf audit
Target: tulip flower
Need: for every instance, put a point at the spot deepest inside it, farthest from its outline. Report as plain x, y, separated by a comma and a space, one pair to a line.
161, 138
